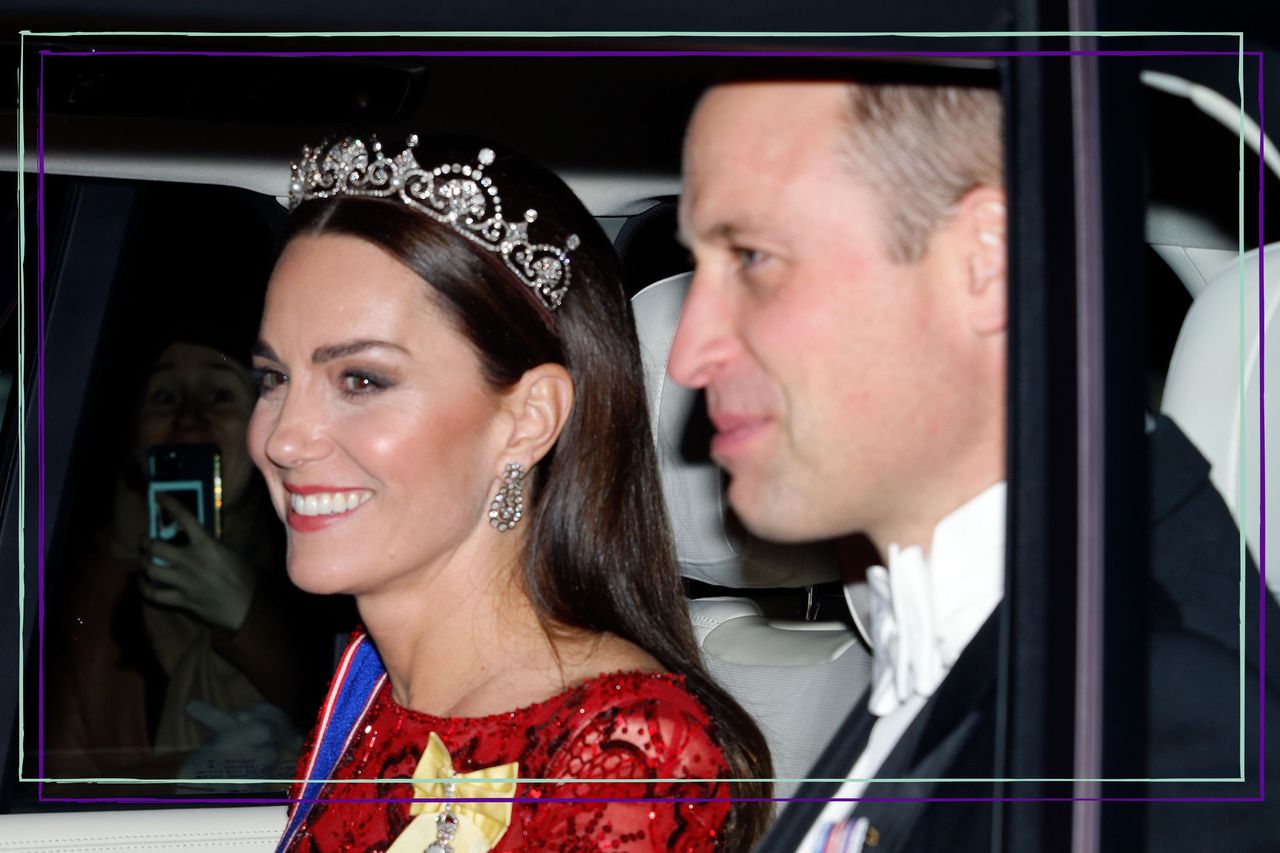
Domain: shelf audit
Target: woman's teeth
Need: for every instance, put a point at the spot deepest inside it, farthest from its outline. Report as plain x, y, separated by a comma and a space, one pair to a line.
327, 503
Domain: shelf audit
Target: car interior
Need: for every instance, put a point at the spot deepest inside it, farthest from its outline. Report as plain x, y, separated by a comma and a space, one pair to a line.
124, 139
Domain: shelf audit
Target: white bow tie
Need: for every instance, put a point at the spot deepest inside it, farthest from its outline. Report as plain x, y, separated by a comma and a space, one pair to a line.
908, 659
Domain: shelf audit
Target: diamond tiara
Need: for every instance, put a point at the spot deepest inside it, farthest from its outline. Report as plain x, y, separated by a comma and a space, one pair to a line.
457, 195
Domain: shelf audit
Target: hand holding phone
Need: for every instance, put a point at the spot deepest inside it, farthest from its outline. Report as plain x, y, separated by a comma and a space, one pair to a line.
204, 577
192, 475
184, 565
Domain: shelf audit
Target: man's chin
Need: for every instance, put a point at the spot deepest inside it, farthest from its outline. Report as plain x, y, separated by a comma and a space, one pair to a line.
770, 512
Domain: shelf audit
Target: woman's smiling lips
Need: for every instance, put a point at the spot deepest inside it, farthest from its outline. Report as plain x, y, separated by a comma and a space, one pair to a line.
312, 508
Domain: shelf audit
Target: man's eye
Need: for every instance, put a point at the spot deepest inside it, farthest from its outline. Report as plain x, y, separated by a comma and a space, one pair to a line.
748, 258
266, 380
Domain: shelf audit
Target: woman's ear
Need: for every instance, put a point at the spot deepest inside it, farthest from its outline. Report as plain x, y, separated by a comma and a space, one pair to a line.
539, 405
981, 219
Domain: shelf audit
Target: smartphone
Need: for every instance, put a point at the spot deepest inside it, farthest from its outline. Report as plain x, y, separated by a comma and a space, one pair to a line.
191, 473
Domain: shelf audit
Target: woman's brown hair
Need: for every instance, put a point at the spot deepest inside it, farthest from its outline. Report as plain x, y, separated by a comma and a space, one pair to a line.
599, 551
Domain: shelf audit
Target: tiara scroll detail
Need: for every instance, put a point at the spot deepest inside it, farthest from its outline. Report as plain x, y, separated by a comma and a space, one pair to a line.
458, 195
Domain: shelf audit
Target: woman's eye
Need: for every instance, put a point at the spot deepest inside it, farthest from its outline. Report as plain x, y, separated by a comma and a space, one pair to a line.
266, 380
162, 398
359, 382
221, 396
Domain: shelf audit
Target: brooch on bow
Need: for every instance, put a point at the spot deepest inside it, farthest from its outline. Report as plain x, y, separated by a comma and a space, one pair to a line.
452, 827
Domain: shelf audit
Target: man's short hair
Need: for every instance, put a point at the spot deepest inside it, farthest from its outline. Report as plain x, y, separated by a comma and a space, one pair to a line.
921, 148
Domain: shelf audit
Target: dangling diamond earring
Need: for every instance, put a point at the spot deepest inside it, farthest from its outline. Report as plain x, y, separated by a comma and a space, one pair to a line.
508, 504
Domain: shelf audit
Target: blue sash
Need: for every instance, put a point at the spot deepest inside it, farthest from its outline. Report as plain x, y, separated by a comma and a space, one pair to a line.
359, 675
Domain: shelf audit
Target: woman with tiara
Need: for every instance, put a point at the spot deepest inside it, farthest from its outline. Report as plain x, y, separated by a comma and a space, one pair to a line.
452, 425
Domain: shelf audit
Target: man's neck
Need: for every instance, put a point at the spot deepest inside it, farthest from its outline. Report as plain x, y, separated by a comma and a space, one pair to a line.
919, 531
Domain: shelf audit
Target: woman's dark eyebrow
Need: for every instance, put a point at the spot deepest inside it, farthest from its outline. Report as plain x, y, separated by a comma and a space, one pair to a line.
166, 366
329, 353
262, 350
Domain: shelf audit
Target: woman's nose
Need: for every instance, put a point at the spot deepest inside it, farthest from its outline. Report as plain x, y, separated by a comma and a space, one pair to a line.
297, 435
190, 418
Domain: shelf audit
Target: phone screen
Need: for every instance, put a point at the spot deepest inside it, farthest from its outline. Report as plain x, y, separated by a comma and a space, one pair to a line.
190, 493
192, 474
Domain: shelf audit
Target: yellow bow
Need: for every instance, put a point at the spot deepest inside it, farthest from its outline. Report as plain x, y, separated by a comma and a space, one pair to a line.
480, 824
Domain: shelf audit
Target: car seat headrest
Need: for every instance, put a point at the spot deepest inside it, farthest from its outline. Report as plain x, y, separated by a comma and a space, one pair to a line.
711, 545
1213, 389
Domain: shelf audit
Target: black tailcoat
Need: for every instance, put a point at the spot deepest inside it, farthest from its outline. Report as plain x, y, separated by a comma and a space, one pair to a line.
1193, 707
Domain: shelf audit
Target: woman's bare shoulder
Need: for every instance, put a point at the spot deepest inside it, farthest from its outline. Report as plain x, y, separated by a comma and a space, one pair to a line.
605, 653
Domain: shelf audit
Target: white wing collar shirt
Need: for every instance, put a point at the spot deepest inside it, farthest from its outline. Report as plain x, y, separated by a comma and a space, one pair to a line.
924, 611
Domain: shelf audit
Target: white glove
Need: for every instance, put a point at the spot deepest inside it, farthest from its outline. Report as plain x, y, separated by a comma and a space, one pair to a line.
254, 743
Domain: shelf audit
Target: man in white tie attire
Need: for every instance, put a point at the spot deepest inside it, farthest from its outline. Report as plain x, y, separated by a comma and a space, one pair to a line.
847, 320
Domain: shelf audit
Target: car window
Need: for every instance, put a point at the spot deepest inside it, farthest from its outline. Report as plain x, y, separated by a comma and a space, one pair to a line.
127, 272
152, 293
150, 327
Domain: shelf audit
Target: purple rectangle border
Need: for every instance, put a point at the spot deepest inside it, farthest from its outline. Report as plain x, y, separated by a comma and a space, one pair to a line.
578, 54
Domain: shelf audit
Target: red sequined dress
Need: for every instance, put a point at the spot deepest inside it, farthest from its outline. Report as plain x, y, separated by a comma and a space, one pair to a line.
640, 726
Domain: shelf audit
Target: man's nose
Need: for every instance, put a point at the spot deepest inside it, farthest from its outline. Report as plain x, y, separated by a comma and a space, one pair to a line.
704, 340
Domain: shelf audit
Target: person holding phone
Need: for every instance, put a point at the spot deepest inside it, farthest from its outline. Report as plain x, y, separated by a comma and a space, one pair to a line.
185, 653
453, 429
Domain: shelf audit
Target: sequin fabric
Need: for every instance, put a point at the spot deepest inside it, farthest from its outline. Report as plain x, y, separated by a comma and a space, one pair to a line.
637, 726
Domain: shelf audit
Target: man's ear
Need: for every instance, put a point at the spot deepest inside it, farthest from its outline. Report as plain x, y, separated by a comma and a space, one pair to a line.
980, 219
539, 405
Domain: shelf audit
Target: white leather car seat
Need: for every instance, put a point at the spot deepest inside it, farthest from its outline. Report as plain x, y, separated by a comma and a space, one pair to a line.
798, 679
1228, 341
231, 829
